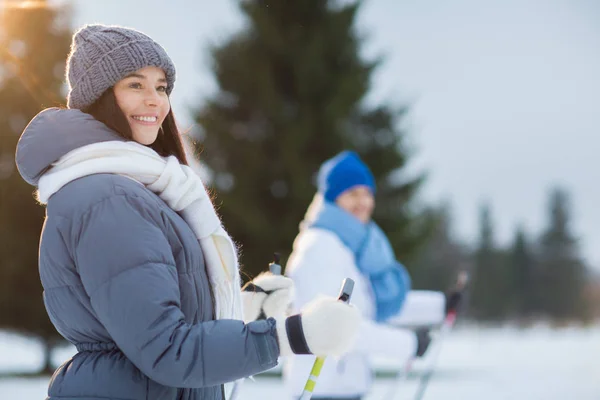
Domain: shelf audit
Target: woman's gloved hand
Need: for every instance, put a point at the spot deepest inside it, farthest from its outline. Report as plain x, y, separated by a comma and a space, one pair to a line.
453, 300
266, 296
324, 327
423, 341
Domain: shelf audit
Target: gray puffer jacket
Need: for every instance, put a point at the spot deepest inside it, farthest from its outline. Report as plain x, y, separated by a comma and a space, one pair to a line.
124, 281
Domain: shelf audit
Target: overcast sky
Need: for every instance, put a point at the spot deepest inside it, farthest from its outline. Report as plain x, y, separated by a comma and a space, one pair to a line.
504, 95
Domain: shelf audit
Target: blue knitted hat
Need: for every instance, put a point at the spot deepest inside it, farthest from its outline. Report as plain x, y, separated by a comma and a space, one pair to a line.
341, 173
102, 55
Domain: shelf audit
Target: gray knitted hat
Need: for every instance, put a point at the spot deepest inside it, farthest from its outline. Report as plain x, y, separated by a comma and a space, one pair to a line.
102, 55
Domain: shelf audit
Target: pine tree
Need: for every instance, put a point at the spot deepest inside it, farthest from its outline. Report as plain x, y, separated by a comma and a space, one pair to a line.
34, 43
291, 91
489, 295
562, 270
524, 291
442, 257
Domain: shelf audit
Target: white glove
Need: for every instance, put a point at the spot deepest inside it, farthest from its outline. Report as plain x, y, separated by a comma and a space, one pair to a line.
273, 296
324, 327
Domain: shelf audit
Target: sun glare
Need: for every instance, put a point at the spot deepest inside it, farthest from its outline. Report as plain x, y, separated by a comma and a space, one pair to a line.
28, 4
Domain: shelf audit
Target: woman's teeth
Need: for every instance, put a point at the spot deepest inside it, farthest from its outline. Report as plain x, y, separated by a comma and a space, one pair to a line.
145, 119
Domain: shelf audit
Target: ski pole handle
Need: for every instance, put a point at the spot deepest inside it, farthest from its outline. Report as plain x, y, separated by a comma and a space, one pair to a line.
346, 290
345, 294
274, 267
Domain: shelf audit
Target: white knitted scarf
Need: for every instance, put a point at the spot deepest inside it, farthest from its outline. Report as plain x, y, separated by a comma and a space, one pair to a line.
179, 186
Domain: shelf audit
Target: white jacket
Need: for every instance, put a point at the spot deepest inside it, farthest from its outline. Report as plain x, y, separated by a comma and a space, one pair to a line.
318, 265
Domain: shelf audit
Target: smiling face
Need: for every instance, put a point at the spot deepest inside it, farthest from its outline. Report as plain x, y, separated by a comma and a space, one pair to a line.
358, 201
142, 96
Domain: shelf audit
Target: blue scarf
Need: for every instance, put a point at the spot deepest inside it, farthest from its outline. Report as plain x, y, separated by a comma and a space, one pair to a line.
373, 254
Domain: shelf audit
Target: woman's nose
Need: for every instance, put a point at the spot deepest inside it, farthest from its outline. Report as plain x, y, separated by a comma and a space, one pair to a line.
151, 98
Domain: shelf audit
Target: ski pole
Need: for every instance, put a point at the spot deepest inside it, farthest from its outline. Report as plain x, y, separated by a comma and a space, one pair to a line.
426, 377
446, 327
400, 378
275, 269
345, 293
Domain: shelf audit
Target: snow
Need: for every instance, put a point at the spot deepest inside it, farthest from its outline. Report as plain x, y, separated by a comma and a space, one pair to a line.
474, 363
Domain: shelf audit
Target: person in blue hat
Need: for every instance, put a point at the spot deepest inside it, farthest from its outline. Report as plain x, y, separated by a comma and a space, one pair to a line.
338, 239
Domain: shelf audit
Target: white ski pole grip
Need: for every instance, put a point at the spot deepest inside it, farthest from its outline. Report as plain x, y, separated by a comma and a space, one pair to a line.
345, 294
346, 291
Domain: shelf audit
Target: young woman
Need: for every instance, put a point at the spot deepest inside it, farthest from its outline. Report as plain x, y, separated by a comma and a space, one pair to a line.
138, 272
338, 239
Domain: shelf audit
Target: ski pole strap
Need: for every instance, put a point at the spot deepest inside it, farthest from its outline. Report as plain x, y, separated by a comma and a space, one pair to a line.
295, 334
251, 287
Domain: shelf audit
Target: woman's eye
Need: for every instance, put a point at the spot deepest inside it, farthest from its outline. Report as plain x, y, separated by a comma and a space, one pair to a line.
162, 88
135, 85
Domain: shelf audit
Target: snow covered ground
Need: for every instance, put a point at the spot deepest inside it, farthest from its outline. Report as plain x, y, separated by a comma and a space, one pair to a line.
475, 363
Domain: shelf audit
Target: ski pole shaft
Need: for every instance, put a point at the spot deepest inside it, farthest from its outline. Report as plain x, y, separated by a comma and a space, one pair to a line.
447, 324
426, 377
400, 378
236, 390
345, 294
402, 375
449, 321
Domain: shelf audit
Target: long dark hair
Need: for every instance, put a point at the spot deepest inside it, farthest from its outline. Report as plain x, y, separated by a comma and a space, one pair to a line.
168, 141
